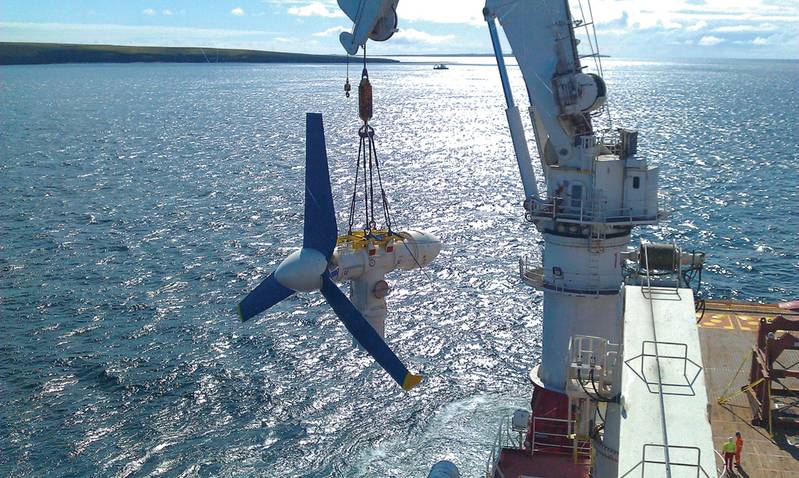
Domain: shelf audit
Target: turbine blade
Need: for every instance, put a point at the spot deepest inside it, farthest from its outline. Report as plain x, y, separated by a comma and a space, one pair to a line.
268, 293
366, 335
319, 231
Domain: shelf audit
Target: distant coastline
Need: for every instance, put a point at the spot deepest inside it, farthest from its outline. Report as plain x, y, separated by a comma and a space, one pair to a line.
49, 53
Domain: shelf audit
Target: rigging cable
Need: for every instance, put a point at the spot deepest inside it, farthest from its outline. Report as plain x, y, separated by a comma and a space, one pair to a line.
369, 162
384, 198
662, 401
354, 191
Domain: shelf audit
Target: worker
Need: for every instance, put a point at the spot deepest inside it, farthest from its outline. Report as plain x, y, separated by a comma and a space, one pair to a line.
728, 449
739, 445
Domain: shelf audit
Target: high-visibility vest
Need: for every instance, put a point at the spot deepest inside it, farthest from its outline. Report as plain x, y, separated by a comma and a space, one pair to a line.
728, 447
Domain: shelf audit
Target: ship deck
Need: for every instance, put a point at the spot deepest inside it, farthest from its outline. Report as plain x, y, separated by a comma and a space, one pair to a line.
727, 334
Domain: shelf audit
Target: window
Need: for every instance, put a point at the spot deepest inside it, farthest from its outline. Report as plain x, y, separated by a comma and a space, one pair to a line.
577, 195
636, 182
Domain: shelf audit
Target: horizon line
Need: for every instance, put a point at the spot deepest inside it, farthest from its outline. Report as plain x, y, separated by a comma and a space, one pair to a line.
390, 55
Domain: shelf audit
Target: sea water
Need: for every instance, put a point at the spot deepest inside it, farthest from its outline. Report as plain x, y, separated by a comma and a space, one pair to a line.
139, 203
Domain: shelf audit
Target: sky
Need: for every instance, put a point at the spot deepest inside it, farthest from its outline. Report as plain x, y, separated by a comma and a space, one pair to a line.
626, 28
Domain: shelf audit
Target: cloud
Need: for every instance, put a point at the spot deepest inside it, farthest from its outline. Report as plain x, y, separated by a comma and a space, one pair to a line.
331, 31
760, 41
409, 35
645, 14
166, 12
697, 26
670, 25
468, 12
763, 27
710, 40
238, 11
316, 9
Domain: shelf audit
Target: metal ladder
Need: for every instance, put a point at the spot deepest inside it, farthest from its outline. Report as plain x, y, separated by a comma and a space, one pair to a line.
596, 239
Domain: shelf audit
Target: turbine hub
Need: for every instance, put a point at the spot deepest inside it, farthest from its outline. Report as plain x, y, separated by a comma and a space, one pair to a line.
302, 270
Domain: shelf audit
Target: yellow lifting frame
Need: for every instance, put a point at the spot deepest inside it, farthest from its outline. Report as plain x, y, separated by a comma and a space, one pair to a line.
361, 240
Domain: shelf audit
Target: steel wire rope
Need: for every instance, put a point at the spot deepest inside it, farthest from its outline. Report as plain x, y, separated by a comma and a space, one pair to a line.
372, 222
383, 197
355, 190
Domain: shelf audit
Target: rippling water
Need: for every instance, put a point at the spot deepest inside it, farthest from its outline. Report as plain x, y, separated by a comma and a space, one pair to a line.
140, 202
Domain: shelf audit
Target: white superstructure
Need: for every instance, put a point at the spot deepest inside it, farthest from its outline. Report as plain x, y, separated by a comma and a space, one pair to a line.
596, 317
596, 190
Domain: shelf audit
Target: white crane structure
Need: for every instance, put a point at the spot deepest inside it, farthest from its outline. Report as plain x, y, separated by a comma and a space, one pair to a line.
620, 383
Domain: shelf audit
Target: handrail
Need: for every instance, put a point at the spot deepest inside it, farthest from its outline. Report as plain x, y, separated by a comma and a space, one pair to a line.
566, 209
584, 283
644, 460
583, 446
505, 439
675, 387
492, 467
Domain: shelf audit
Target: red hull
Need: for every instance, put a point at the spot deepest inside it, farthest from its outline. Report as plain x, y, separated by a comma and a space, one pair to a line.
548, 450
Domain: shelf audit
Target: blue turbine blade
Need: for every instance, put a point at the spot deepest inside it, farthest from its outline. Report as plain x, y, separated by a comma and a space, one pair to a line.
268, 293
319, 231
369, 339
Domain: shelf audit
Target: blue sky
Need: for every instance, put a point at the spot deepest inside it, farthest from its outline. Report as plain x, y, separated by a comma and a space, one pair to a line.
626, 28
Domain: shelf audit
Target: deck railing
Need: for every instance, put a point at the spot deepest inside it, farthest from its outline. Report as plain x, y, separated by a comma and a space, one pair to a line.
503, 439
531, 273
551, 441
583, 211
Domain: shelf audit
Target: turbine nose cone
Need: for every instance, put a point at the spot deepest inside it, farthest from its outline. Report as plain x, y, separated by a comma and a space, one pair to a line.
302, 270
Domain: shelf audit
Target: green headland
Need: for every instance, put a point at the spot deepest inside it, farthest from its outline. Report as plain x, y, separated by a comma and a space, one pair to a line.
44, 53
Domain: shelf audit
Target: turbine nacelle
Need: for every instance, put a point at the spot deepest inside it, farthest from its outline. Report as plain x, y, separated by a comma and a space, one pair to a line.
364, 259
404, 250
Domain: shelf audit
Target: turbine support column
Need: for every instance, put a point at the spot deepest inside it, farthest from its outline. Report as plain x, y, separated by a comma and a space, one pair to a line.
368, 293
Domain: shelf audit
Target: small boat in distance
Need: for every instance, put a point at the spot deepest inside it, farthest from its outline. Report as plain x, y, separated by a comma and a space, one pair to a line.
441, 66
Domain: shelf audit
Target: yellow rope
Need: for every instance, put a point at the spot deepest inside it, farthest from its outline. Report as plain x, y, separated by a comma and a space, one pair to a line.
727, 398
724, 397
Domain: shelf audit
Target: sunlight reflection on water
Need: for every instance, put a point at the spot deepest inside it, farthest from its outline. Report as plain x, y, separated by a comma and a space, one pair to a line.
140, 202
